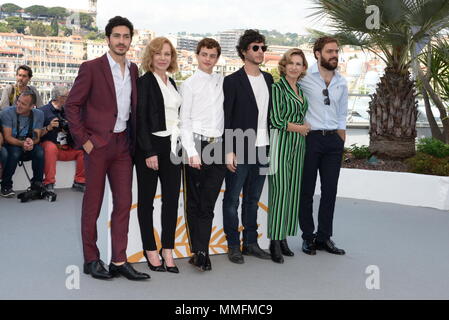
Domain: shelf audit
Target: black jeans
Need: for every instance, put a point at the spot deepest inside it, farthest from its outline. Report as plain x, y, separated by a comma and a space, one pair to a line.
147, 180
202, 188
323, 154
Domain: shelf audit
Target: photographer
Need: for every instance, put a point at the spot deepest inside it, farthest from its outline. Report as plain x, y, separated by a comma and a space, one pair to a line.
57, 143
12, 91
22, 126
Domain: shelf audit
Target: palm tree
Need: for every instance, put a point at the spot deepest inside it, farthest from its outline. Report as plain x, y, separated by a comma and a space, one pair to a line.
403, 26
434, 85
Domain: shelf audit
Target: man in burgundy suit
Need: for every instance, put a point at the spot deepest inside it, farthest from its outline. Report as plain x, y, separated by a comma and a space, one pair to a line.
101, 111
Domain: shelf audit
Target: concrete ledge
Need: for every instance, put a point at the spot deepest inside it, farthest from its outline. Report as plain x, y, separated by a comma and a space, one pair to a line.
394, 187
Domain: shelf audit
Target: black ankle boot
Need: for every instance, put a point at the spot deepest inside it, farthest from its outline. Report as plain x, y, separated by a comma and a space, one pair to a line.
285, 249
275, 250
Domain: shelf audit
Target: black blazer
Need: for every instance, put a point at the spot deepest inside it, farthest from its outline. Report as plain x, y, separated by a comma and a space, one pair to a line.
240, 106
150, 112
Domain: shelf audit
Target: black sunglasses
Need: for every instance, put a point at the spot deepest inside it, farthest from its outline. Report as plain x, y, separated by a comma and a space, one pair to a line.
256, 48
327, 101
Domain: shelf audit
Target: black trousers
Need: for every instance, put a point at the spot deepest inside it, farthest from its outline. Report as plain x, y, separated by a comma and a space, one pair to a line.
202, 189
323, 154
147, 179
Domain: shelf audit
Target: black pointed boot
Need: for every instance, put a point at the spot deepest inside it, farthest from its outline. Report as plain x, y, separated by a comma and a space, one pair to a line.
275, 250
285, 249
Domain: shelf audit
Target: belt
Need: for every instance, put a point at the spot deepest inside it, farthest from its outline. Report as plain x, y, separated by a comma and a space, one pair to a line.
207, 139
323, 132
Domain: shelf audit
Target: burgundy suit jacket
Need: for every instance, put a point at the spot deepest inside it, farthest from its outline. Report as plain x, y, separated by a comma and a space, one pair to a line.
91, 108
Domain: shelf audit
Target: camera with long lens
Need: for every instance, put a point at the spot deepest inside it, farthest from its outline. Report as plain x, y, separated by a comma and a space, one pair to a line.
63, 124
37, 192
64, 137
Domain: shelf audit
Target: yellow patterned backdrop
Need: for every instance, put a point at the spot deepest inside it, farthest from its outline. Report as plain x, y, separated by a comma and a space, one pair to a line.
217, 245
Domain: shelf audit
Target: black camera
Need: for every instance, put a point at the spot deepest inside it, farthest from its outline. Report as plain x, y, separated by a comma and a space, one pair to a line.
64, 137
36, 192
63, 124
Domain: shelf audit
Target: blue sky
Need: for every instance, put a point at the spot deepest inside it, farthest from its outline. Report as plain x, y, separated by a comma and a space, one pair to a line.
198, 16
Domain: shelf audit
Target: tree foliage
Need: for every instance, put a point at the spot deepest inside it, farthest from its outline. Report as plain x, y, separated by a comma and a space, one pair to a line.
434, 85
54, 27
5, 27
10, 7
86, 21
37, 10
17, 24
39, 29
58, 12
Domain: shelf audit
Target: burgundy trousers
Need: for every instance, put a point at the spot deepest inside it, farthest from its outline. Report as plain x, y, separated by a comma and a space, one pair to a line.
114, 161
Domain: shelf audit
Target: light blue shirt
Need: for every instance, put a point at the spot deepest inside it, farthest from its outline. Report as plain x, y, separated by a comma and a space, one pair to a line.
319, 115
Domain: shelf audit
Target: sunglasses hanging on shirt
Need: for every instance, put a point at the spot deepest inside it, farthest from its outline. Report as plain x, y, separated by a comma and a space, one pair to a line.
327, 100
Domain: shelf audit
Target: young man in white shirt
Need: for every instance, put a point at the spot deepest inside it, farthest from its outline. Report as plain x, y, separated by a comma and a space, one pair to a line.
327, 92
202, 123
247, 104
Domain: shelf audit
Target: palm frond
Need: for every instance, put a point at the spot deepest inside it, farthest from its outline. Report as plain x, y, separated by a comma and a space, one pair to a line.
403, 25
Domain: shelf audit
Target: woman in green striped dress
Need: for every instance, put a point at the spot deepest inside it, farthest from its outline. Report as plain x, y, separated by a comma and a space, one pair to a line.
287, 153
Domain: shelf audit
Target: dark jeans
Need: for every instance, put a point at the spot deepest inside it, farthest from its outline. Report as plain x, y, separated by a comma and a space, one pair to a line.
3, 157
16, 154
323, 154
249, 178
147, 181
203, 188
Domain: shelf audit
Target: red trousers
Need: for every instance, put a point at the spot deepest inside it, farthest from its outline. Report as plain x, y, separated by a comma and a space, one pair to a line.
114, 161
52, 154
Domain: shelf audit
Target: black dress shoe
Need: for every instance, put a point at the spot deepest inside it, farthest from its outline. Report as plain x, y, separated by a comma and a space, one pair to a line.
285, 249
173, 269
309, 247
275, 250
208, 263
235, 255
97, 270
254, 250
199, 260
159, 268
329, 246
127, 271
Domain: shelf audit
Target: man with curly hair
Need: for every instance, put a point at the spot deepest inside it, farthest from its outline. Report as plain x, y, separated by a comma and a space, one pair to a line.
247, 101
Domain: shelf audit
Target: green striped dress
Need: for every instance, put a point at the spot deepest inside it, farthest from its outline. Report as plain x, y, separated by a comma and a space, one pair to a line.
286, 161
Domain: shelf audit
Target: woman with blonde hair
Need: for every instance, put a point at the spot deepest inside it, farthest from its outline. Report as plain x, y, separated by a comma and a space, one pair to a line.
157, 136
286, 153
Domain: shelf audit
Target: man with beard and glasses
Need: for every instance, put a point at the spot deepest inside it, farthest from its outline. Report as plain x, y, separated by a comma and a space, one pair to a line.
101, 111
327, 93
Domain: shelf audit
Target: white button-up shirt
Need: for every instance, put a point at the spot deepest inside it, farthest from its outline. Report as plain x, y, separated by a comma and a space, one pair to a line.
319, 115
172, 102
202, 108
123, 90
